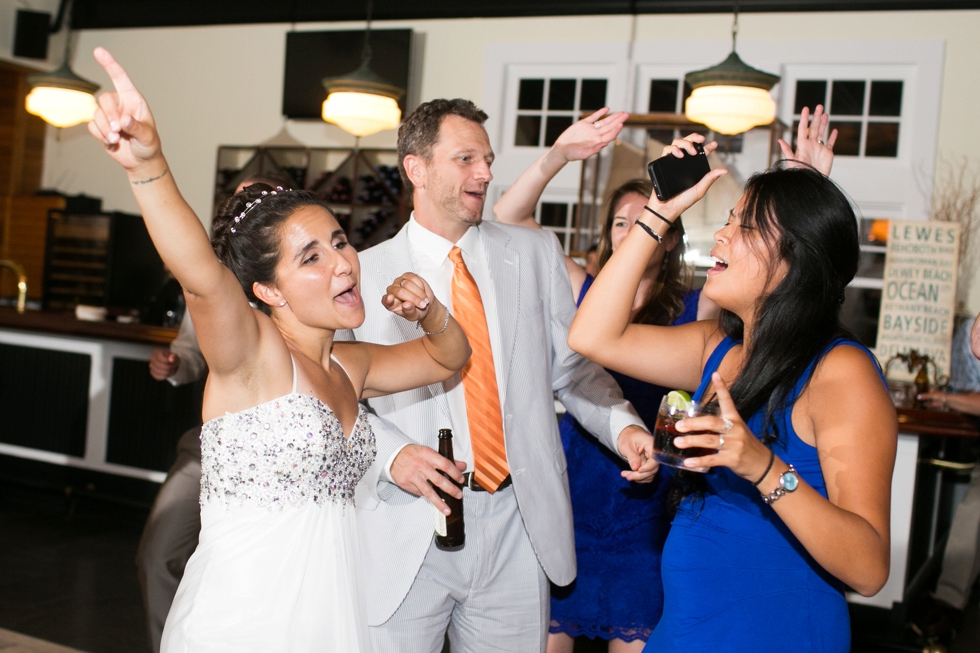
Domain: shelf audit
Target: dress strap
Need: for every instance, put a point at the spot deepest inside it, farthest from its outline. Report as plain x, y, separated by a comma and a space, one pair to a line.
293, 361
713, 363
341, 366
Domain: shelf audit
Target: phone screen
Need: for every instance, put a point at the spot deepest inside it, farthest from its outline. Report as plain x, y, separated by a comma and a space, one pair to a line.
671, 176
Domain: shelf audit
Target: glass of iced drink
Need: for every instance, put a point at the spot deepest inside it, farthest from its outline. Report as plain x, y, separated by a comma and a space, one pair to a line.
675, 406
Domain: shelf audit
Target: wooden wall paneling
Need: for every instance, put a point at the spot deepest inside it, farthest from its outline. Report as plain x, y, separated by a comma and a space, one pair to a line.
25, 234
23, 215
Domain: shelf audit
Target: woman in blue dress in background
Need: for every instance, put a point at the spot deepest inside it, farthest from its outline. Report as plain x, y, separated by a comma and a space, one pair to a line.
620, 527
796, 504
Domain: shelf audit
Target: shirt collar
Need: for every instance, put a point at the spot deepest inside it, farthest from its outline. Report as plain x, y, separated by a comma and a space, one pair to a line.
435, 247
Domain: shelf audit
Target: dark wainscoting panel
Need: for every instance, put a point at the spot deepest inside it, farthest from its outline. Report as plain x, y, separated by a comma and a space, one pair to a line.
44, 398
146, 417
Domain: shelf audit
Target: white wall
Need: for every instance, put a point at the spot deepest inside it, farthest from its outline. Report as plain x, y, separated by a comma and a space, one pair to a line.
210, 86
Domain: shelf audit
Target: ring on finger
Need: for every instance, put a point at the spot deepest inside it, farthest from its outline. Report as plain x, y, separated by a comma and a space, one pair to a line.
721, 441
728, 425
401, 283
820, 142
597, 124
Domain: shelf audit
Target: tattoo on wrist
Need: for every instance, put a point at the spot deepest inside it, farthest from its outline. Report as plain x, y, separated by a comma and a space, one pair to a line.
140, 182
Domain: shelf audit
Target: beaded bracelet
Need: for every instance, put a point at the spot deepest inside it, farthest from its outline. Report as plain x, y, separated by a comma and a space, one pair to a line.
435, 333
669, 223
653, 234
772, 459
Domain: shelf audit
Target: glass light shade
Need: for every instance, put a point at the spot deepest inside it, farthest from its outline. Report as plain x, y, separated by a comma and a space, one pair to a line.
730, 109
61, 107
361, 114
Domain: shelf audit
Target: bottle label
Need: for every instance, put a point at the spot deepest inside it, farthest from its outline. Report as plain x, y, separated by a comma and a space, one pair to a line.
439, 522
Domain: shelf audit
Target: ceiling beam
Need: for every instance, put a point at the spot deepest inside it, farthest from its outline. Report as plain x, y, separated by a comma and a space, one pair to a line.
103, 14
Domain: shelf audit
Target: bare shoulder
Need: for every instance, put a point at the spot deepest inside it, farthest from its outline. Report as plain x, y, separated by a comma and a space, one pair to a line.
848, 364
847, 387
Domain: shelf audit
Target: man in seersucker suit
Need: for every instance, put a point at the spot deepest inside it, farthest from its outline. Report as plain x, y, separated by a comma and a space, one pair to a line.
493, 594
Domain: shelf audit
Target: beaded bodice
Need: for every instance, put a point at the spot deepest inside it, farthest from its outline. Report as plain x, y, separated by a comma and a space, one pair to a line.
283, 453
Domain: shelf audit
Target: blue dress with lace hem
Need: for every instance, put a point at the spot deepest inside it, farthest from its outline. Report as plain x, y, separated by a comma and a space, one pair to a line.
620, 527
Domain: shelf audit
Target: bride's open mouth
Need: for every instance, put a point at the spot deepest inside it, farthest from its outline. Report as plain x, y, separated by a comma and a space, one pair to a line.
349, 297
720, 264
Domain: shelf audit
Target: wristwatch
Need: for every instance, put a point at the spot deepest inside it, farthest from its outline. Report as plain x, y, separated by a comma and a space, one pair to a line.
788, 481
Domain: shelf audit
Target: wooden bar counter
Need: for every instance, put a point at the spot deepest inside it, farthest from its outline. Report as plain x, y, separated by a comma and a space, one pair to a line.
78, 394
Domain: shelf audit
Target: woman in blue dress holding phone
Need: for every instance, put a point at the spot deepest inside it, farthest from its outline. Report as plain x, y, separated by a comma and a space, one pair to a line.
796, 503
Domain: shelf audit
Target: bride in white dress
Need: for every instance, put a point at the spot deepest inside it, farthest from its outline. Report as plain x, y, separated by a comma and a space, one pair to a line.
284, 441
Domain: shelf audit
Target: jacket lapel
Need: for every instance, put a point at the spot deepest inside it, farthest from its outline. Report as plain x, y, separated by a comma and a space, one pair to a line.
504, 265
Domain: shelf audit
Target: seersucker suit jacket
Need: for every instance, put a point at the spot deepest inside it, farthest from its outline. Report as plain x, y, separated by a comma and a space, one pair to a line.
535, 309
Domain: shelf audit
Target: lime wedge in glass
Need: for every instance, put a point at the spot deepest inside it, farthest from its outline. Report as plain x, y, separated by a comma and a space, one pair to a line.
678, 399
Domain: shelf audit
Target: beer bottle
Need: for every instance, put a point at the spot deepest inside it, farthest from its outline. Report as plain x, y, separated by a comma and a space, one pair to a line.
449, 530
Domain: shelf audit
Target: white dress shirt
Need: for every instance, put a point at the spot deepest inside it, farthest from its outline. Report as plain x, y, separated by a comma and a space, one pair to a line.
430, 258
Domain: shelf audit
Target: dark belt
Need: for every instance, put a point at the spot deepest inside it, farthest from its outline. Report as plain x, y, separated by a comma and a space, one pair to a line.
469, 481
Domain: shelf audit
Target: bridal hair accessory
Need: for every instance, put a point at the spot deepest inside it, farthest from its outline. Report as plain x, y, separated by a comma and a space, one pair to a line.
251, 205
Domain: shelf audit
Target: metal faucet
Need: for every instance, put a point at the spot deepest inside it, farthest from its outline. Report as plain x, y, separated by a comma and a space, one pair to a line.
21, 282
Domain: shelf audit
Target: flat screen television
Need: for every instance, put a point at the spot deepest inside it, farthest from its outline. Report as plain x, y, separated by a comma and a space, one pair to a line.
311, 56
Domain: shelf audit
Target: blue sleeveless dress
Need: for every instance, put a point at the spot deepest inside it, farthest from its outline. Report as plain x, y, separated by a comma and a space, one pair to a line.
620, 527
735, 578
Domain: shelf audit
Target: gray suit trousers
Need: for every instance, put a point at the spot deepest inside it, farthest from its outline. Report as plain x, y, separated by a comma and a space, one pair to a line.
170, 535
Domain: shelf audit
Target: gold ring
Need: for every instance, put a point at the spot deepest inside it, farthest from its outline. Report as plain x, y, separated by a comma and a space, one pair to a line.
820, 142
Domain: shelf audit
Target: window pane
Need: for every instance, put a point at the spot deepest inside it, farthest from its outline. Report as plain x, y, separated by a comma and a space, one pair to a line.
810, 93
561, 238
561, 95
531, 96
860, 313
553, 214
886, 99
882, 139
528, 131
848, 138
554, 127
847, 99
593, 94
663, 96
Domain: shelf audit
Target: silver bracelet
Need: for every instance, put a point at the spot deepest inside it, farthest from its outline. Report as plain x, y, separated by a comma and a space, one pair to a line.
435, 333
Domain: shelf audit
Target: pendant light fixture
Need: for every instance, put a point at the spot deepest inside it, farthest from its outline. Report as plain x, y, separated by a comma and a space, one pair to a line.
732, 97
360, 102
61, 97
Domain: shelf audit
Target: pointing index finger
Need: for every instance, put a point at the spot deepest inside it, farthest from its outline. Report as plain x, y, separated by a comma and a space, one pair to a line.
725, 402
119, 78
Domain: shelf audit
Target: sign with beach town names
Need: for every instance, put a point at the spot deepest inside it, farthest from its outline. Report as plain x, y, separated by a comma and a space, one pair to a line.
919, 294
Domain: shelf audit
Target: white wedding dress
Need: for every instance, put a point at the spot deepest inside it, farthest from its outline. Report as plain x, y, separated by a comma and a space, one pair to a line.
277, 567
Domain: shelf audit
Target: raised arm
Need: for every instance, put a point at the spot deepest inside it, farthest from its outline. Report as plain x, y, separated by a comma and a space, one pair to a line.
602, 331
580, 141
813, 146
226, 325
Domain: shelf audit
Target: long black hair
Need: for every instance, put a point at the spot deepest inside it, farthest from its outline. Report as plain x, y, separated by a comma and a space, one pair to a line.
805, 221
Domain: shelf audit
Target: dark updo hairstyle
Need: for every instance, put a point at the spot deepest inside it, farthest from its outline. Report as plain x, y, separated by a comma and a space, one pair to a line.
251, 251
666, 300
805, 221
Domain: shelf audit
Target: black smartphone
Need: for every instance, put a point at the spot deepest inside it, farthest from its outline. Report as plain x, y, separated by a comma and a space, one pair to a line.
671, 176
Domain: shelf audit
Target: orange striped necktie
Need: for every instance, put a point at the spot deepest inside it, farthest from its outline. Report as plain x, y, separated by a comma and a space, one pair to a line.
479, 380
